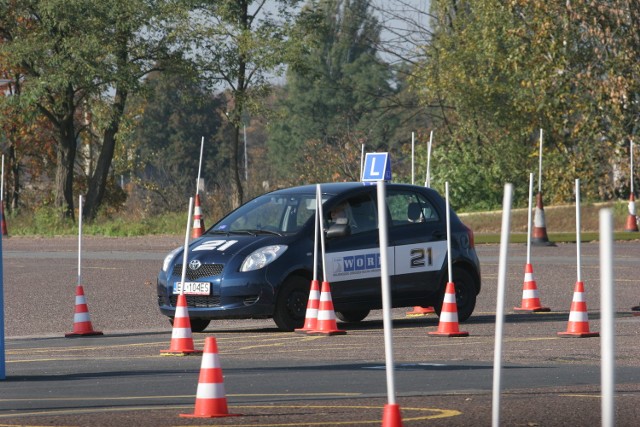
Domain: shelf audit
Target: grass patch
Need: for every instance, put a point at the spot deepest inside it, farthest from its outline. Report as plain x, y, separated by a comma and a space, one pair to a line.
559, 220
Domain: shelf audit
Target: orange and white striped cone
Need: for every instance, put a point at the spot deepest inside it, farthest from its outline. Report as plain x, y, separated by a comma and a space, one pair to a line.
578, 325
181, 338
420, 311
391, 415
448, 326
539, 232
211, 401
4, 220
326, 324
81, 319
198, 222
632, 222
530, 297
311, 315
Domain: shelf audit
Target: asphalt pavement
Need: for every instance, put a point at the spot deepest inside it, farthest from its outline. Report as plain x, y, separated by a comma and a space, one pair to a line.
274, 378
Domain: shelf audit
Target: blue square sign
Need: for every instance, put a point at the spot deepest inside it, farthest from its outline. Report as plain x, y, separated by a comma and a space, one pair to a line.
377, 166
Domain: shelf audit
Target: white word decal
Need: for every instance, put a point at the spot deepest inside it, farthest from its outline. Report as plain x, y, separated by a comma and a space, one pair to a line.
220, 245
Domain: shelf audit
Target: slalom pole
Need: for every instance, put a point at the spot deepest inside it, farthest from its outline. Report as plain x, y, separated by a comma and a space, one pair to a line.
361, 162
2, 343
529, 218
391, 413
540, 165
607, 311
502, 274
2, 184
427, 182
448, 218
321, 221
200, 166
413, 157
185, 252
578, 243
80, 240
316, 232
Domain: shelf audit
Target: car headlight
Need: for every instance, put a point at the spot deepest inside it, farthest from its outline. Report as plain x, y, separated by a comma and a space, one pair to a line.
169, 258
262, 257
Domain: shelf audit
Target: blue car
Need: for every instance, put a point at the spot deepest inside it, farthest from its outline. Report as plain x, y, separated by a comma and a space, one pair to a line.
257, 262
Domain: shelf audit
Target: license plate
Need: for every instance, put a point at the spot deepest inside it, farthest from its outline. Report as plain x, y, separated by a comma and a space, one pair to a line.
192, 288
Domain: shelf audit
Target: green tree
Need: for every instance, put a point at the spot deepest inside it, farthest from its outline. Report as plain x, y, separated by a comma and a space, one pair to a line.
82, 57
238, 45
341, 94
176, 114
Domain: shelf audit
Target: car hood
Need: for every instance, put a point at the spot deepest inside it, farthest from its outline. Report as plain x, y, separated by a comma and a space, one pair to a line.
225, 249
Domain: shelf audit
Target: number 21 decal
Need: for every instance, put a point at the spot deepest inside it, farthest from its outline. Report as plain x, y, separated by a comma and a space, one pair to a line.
421, 257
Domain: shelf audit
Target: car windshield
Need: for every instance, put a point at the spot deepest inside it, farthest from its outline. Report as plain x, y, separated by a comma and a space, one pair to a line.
273, 214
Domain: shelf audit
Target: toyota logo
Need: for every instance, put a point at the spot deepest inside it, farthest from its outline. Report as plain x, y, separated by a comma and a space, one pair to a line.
194, 264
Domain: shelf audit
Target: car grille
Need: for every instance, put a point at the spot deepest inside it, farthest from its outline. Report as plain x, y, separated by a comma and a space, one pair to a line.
206, 270
198, 301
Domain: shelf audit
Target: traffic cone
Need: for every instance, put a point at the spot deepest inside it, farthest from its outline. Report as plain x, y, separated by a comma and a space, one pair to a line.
181, 339
198, 222
211, 401
4, 221
391, 416
311, 316
326, 324
632, 223
448, 326
539, 233
578, 325
530, 298
81, 319
420, 311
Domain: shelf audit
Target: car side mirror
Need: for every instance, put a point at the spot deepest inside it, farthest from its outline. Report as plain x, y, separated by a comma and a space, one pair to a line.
338, 230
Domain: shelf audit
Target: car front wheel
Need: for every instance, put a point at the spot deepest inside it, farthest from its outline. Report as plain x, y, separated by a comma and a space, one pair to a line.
352, 316
465, 294
291, 304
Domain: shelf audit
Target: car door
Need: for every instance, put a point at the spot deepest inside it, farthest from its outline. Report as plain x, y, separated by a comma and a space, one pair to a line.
417, 232
353, 260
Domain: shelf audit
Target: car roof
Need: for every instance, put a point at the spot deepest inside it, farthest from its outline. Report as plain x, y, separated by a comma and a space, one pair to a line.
335, 188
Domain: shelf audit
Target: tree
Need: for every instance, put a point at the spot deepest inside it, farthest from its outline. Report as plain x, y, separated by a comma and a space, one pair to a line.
237, 45
501, 71
78, 57
341, 94
175, 114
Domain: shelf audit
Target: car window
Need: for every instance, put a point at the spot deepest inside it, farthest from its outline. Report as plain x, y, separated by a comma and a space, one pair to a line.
359, 212
407, 207
277, 213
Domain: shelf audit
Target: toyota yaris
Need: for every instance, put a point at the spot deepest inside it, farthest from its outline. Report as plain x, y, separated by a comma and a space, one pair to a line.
257, 262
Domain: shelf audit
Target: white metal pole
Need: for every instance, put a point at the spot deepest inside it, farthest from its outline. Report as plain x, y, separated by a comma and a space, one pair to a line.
324, 266
199, 166
631, 170
607, 325
413, 157
316, 231
578, 222
2, 182
540, 165
427, 182
386, 292
529, 218
185, 252
448, 217
361, 162
502, 274
80, 240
